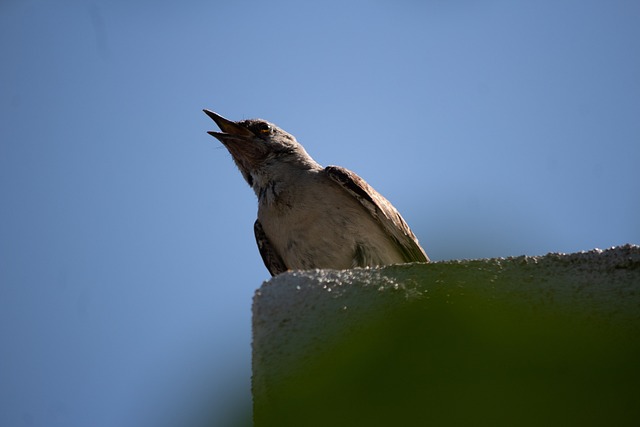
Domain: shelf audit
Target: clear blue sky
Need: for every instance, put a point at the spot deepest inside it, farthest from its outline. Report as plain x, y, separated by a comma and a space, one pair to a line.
127, 257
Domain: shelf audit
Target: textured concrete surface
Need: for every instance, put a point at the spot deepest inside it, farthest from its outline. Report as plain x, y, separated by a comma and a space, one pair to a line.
301, 317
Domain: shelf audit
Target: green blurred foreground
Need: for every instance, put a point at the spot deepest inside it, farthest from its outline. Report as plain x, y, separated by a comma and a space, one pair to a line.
467, 363
463, 356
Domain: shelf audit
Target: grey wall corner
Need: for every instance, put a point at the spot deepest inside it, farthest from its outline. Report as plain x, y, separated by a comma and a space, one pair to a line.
550, 340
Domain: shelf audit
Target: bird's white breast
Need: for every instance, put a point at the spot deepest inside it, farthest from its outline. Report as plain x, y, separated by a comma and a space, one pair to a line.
314, 223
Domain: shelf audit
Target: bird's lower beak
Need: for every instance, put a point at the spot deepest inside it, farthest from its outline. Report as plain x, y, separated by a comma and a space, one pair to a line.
227, 127
240, 142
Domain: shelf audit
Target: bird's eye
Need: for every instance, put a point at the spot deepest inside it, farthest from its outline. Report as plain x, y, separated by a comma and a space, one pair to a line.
264, 128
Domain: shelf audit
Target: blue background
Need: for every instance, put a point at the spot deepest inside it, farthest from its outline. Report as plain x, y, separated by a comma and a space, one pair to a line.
127, 256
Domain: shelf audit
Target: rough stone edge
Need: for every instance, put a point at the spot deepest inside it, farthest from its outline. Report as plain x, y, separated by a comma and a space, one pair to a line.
286, 308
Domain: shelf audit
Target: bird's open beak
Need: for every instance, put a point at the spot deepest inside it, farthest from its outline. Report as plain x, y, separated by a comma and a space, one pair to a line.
227, 127
240, 142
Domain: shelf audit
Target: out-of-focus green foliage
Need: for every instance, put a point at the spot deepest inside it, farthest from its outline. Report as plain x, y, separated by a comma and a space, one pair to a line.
469, 361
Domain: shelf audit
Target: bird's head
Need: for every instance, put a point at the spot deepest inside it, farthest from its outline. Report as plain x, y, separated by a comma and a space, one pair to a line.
256, 144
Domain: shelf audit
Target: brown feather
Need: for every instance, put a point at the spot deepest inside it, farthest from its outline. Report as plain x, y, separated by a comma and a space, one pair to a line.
270, 256
389, 218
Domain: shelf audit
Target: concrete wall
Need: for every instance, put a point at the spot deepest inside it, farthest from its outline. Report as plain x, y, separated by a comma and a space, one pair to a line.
551, 340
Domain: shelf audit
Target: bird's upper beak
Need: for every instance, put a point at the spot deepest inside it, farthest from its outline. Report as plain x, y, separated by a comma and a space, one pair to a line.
240, 142
228, 128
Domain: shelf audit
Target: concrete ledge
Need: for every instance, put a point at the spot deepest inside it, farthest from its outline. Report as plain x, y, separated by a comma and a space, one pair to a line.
550, 340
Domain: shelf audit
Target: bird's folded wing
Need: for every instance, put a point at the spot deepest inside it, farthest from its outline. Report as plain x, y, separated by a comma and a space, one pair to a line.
270, 257
383, 211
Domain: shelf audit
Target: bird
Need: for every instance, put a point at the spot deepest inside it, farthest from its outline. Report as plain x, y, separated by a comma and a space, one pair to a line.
311, 216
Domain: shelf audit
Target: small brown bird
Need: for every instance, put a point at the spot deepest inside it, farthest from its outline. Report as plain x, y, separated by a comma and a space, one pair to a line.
310, 216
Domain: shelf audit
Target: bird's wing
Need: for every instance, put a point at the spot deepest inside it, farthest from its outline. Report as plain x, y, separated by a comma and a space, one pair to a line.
270, 257
383, 211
